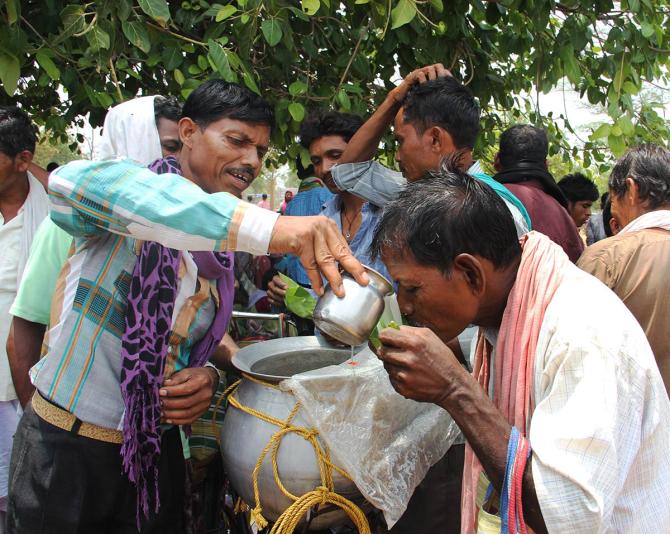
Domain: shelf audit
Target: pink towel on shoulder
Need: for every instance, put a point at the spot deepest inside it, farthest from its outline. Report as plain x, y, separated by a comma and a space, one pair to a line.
543, 265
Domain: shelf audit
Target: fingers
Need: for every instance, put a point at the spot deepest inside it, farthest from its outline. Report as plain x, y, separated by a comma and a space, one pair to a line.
406, 337
179, 378
185, 416
342, 255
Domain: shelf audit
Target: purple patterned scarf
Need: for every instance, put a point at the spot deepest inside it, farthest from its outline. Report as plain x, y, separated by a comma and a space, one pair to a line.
144, 346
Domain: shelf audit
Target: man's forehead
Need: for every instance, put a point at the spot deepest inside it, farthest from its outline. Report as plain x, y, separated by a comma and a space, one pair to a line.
255, 131
326, 143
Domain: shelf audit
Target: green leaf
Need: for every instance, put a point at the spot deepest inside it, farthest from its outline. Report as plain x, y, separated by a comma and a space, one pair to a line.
617, 145
343, 99
647, 29
137, 34
202, 62
297, 88
402, 13
156, 9
271, 31
106, 101
73, 20
602, 131
250, 82
225, 12
98, 38
438, 5
179, 77
310, 6
297, 299
13, 11
43, 57
381, 325
10, 70
362, 2
172, 57
219, 59
626, 125
630, 88
244, 18
297, 111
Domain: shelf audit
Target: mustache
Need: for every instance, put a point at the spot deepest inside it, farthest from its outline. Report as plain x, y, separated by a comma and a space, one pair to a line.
410, 321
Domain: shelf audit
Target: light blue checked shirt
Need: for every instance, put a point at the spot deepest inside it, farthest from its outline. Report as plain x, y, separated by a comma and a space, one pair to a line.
108, 206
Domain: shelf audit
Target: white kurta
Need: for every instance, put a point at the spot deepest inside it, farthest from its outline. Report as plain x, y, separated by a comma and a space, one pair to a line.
600, 432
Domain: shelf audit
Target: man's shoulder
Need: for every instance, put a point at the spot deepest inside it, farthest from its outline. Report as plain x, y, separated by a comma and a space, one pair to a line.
621, 246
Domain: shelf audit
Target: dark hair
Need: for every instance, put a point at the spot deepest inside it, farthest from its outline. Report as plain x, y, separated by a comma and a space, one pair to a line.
216, 99
52, 166
603, 199
649, 166
523, 142
17, 132
264, 196
447, 214
321, 123
167, 107
302, 171
446, 103
607, 215
577, 188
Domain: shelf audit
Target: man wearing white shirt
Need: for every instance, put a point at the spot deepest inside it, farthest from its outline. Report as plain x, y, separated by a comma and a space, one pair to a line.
23, 205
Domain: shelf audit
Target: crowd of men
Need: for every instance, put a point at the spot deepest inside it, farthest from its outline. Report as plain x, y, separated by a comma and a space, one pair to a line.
117, 288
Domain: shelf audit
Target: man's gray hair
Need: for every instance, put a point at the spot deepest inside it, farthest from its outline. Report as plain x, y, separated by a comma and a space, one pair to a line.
649, 166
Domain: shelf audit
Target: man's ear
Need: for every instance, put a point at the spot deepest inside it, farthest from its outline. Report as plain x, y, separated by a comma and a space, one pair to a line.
473, 272
23, 160
632, 192
441, 141
496, 163
187, 128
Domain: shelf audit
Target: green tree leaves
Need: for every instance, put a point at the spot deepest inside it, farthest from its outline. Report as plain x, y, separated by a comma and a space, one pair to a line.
156, 9
272, 31
345, 55
403, 13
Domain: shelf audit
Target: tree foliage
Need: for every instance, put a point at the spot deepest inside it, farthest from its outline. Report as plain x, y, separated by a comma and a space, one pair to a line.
63, 60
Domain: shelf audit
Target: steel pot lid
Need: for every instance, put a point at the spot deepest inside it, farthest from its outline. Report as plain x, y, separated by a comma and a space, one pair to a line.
278, 359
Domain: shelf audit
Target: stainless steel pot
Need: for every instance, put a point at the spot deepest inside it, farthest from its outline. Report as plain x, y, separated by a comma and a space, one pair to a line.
243, 436
351, 319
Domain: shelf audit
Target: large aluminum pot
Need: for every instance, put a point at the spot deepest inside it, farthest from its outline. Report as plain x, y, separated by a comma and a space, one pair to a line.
243, 436
351, 319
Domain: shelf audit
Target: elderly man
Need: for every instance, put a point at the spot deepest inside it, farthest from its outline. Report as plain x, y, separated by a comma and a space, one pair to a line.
565, 415
146, 300
634, 264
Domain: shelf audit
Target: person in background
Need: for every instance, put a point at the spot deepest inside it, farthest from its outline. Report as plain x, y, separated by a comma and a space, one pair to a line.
288, 196
581, 194
595, 228
312, 193
434, 117
150, 133
167, 112
250, 198
52, 166
325, 135
521, 165
609, 223
635, 263
566, 417
23, 205
264, 202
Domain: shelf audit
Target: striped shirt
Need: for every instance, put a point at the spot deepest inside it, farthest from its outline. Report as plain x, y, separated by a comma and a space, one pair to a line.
107, 207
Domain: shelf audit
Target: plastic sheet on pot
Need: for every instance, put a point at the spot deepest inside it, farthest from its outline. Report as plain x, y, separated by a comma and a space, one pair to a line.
385, 442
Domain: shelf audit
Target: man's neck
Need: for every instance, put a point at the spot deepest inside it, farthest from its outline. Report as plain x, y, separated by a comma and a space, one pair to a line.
14, 195
465, 160
498, 288
350, 203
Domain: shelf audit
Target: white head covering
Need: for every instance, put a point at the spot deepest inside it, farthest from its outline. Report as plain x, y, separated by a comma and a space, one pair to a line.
130, 132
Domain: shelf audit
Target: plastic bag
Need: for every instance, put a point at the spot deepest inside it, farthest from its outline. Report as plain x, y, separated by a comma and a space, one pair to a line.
385, 442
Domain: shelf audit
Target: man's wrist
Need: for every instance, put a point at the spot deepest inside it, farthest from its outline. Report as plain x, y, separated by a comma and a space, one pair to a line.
215, 377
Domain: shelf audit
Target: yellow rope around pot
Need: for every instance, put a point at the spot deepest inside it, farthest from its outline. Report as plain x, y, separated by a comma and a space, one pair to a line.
324, 494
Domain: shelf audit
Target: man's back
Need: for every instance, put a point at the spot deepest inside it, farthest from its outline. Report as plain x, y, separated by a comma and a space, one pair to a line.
548, 216
635, 266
